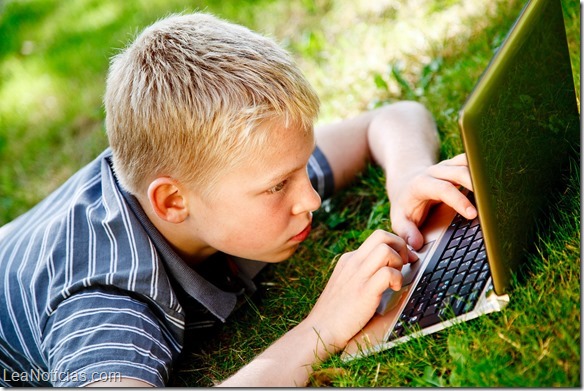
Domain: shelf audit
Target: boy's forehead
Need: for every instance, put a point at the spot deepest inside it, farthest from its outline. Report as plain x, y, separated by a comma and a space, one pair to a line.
284, 150
286, 141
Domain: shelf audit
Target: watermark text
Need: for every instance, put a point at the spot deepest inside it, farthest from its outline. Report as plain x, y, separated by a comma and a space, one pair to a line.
38, 375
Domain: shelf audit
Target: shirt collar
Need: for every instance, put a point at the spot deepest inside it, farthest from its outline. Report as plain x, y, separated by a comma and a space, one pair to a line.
219, 302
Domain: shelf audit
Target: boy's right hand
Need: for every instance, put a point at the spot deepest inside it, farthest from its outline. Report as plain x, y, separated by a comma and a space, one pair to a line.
413, 195
354, 290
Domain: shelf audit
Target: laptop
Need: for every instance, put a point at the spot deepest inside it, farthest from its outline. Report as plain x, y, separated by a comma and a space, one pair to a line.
521, 132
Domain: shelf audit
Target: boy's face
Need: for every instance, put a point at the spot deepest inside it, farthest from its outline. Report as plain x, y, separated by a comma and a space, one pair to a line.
262, 209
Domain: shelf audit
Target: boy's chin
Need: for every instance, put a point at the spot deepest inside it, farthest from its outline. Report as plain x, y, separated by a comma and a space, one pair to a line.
281, 256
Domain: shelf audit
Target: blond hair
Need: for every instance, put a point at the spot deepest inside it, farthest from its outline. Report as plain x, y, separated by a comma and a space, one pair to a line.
186, 98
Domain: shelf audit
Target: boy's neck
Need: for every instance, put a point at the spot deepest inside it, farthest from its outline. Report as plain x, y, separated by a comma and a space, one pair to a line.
183, 244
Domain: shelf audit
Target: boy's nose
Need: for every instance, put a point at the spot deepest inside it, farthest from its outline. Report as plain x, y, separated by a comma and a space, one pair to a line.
308, 200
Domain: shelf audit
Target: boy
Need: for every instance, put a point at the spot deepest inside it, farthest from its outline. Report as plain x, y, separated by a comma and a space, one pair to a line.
211, 174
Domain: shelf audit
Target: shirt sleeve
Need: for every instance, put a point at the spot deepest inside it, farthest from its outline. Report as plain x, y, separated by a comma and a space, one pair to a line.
103, 335
320, 173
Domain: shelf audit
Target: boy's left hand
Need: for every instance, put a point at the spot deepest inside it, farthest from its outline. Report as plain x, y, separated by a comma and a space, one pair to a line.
355, 287
412, 197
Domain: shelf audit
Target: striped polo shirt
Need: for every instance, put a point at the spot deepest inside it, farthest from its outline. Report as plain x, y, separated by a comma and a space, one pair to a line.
90, 288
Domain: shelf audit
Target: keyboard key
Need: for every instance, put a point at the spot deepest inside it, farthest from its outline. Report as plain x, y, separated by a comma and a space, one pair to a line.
470, 278
443, 285
465, 290
429, 320
460, 253
467, 308
444, 263
454, 242
474, 296
458, 278
483, 276
409, 310
464, 266
448, 275
458, 306
470, 255
453, 289
451, 308
437, 297
464, 243
454, 264
480, 284
476, 267
459, 232
430, 310
471, 231
476, 244
482, 255
449, 253
437, 275
420, 307
425, 278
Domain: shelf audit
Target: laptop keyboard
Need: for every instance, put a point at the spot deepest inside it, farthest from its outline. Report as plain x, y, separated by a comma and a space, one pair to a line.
452, 283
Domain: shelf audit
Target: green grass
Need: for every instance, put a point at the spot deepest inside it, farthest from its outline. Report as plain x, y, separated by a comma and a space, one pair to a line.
358, 55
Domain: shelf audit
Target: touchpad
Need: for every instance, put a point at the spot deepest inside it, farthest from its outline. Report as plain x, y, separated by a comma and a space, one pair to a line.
391, 298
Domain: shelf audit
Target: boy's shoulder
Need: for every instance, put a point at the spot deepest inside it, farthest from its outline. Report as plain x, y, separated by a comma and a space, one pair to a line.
80, 190
88, 199
91, 232
85, 234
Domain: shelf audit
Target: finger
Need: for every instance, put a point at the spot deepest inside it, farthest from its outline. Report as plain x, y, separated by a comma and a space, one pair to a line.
382, 256
456, 174
412, 256
458, 160
436, 189
382, 237
395, 280
460, 203
456, 200
408, 231
384, 278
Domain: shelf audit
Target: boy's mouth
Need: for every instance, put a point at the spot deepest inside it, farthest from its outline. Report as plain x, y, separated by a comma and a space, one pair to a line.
304, 234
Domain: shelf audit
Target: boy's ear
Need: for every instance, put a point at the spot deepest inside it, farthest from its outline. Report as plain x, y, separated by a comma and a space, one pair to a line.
167, 200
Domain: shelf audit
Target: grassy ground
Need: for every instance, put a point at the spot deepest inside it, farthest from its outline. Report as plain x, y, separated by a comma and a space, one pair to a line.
358, 55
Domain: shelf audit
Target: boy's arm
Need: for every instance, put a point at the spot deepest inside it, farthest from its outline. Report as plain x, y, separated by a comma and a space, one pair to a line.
346, 304
401, 138
123, 382
88, 343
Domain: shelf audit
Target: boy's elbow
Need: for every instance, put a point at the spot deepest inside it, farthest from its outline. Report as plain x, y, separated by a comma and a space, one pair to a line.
412, 114
414, 109
414, 118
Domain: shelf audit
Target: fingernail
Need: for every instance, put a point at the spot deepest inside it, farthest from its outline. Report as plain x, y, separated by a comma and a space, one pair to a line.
413, 257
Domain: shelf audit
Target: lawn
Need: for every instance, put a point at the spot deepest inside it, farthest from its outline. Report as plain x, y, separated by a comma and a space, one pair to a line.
358, 55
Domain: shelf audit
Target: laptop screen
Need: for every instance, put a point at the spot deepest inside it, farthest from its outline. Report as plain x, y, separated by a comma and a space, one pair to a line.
520, 128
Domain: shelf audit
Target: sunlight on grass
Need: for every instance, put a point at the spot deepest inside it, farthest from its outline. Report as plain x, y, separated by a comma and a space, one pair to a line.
360, 38
84, 17
27, 92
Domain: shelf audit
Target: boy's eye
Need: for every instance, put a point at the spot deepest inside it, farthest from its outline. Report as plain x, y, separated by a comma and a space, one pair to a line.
279, 187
